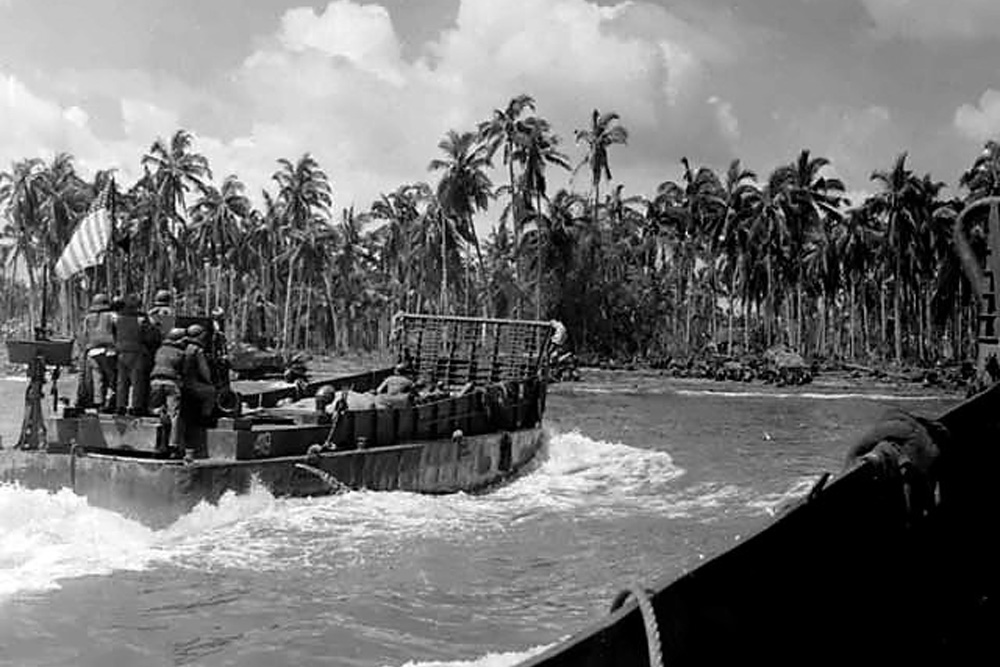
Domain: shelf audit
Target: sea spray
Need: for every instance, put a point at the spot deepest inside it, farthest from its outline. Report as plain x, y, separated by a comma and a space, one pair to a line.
506, 659
45, 537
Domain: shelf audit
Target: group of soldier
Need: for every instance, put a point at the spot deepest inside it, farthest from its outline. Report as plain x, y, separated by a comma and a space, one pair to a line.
135, 362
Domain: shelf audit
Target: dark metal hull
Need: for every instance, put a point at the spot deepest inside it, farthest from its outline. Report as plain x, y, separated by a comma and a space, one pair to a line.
844, 577
157, 491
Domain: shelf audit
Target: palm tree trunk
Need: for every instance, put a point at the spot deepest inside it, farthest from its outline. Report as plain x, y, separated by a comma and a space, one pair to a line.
850, 344
732, 307
897, 305
288, 304
443, 306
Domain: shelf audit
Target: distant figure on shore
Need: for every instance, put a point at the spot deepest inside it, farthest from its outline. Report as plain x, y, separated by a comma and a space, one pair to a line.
98, 345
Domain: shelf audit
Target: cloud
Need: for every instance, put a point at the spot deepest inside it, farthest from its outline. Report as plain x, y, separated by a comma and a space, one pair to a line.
334, 82
980, 122
855, 140
373, 118
936, 19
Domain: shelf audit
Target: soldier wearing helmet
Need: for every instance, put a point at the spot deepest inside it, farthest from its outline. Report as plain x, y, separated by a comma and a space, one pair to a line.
162, 312
134, 336
98, 364
167, 377
198, 388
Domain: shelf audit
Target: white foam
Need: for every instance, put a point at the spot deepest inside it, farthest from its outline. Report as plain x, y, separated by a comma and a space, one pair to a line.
488, 660
811, 395
47, 537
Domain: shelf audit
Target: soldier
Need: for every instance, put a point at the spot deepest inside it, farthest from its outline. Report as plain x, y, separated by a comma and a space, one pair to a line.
133, 336
167, 376
199, 391
99, 354
162, 312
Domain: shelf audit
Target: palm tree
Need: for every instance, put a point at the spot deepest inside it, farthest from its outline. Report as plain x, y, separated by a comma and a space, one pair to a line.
604, 132
502, 131
856, 238
810, 196
896, 203
218, 221
464, 188
731, 236
173, 169
537, 147
305, 198
20, 203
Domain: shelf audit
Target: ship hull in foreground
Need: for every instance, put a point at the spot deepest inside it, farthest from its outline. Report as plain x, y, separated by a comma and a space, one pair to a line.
848, 575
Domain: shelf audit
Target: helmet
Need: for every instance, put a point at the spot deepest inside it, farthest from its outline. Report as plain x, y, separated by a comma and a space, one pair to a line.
100, 302
324, 396
175, 335
161, 298
195, 332
132, 301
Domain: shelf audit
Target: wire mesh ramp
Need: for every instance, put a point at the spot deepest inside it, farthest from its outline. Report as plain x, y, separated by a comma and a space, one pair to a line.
456, 351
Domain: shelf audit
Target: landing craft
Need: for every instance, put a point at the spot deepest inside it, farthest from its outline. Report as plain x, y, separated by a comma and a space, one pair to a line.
480, 423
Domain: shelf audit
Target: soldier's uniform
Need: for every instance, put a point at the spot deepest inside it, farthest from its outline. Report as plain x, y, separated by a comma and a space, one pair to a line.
199, 390
132, 333
166, 379
99, 355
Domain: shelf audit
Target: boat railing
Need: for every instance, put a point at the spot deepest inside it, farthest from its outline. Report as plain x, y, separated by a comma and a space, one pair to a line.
455, 351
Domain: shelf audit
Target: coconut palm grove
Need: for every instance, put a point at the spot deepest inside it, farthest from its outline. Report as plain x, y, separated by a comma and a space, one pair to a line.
736, 259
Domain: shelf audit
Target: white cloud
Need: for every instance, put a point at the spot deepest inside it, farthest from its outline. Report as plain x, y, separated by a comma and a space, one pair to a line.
980, 122
936, 19
362, 34
725, 116
374, 119
334, 83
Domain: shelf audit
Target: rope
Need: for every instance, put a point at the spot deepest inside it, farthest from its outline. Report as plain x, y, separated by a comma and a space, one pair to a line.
641, 596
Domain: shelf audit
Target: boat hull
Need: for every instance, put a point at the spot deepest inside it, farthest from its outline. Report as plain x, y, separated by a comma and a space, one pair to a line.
157, 491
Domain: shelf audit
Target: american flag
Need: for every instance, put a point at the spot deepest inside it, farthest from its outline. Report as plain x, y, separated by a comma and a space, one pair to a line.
90, 239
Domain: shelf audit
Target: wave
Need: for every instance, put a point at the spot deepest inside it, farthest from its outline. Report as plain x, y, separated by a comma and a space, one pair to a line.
812, 395
488, 660
45, 538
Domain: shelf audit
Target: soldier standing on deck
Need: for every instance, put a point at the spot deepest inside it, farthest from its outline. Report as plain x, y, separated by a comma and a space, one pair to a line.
99, 350
199, 390
133, 337
167, 376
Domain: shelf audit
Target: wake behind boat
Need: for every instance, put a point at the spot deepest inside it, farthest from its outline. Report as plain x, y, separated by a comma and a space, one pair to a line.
477, 422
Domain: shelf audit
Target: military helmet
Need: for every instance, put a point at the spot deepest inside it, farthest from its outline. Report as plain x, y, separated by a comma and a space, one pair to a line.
195, 331
176, 334
161, 298
100, 302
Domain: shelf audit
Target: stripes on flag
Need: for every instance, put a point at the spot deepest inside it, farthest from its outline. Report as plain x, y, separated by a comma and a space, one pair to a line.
90, 238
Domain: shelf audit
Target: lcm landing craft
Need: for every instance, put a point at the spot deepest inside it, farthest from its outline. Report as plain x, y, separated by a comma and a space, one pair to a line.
478, 423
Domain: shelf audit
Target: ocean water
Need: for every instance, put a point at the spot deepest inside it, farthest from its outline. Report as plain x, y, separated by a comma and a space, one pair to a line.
640, 481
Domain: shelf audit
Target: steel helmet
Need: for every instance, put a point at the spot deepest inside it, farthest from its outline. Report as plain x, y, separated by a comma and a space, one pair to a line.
161, 298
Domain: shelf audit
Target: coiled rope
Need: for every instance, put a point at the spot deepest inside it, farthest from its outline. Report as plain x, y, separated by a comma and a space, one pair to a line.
641, 596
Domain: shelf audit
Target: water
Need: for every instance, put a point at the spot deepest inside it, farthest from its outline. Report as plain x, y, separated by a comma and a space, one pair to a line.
641, 480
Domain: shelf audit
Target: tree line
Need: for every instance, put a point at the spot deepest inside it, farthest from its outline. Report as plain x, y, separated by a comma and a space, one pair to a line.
726, 260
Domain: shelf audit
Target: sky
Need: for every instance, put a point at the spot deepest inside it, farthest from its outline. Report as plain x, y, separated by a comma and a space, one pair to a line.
370, 88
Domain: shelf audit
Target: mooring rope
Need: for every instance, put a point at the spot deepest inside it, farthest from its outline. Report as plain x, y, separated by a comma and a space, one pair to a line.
641, 596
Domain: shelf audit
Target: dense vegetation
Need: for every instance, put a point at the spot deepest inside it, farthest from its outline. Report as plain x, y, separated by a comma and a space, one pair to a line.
734, 258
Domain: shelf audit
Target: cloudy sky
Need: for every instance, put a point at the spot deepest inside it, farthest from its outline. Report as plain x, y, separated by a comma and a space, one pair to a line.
370, 87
